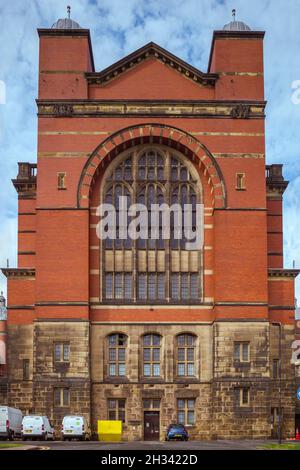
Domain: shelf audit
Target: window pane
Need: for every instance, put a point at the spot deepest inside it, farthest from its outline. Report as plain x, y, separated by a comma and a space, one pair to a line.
147, 354
156, 370
161, 287
142, 288
184, 286
180, 403
128, 286
147, 404
191, 404
190, 369
152, 286
113, 340
147, 340
122, 416
112, 369
118, 286
111, 415
147, 370
190, 340
155, 340
121, 354
181, 417
66, 352
174, 286
122, 404
181, 369
181, 340
66, 396
237, 351
108, 286
112, 404
156, 354
245, 352
190, 354
181, 354
57, 352
121, 369
156, 403
194, 286
190, 417
112, 355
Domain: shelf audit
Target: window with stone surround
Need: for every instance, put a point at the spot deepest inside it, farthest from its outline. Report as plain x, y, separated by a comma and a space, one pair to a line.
61, 352
26, 370
242, 351
116, 409
186, 346
151, 270
151, 355
117, 355
61, 397
243, 397
186, 411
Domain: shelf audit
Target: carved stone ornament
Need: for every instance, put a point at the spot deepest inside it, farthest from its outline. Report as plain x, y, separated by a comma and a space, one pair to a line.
241, 111
63, 110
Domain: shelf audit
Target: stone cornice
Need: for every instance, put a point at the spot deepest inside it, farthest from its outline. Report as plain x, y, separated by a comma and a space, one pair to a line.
111, 108
18, 272
151, 50
281, 272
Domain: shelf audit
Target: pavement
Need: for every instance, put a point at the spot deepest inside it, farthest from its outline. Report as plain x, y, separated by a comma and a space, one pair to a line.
150, 446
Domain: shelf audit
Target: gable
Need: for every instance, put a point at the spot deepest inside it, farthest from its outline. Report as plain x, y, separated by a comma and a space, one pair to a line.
151, 80
151, 73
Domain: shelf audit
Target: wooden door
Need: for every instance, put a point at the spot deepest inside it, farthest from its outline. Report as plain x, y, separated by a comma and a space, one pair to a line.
151, 425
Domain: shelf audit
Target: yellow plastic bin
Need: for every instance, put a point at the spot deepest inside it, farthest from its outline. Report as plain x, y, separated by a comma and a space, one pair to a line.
110, 431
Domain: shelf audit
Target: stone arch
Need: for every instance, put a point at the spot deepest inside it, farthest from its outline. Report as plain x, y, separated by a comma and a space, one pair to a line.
152, 133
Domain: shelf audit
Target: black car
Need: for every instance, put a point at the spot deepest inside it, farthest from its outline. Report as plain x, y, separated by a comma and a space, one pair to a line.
177, 432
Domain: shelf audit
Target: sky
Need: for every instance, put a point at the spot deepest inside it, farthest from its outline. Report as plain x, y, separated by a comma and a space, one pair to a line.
118, 27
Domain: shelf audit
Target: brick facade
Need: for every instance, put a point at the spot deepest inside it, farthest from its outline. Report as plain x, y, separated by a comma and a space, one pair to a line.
214, 122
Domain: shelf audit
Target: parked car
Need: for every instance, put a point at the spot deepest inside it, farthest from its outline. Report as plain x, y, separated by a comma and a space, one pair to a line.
37, 427
177, 431
10, 422
75, 427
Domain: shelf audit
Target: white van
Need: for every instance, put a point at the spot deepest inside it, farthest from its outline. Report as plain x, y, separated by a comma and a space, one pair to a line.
75, 427
10, 422
34, 426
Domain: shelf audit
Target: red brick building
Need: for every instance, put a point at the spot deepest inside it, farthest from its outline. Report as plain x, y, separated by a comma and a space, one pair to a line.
151, 333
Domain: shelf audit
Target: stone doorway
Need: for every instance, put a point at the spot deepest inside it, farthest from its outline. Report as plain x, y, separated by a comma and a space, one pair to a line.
151, 425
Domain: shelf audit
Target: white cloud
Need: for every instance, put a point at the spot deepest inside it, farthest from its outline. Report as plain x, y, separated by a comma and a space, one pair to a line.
118, 27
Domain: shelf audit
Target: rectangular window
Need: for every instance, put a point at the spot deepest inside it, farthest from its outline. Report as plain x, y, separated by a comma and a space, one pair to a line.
242, 351
61, 352
243, 396
186, 411
25, 369
61, 397
116, 409
240, 181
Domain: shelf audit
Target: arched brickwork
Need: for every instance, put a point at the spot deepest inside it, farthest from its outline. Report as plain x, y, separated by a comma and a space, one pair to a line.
153, 133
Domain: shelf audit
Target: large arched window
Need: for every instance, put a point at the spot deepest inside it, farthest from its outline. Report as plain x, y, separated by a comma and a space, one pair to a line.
159, 270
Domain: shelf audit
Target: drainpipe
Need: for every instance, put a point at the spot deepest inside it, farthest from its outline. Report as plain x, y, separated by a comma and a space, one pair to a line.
279, 382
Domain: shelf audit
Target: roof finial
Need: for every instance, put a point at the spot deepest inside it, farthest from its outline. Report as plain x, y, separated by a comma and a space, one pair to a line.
69, 11
233, 14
